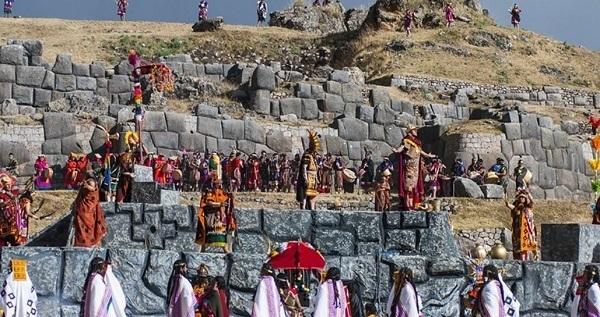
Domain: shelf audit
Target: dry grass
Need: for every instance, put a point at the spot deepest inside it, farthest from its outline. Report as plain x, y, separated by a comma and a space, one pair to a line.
58, 201
475, 126
475, 214
19, 120
559, 114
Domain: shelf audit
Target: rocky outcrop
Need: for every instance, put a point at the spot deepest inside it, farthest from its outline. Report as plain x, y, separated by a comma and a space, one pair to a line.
384, 15
318, 19
208, 25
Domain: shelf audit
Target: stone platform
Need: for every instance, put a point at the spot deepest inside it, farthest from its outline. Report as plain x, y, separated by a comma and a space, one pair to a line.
571, 242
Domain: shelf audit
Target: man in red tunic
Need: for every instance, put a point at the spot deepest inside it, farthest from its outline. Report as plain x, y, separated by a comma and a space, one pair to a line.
254, 173
89, 223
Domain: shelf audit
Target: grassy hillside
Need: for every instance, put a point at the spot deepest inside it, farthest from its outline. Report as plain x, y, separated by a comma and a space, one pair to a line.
511, 56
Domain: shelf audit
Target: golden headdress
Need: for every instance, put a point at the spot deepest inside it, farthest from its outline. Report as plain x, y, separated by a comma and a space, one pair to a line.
314, 143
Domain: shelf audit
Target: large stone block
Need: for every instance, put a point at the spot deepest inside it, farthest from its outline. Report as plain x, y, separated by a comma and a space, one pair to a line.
310, 109
179, 214
442, 295
289, 225
418, 264
245, 271
263, 78
63, 64
331, 103
206, 110
251, 243
119, 84
365, 269
246, 147
192, 141
393, 134
5, 91
71, 144
571, 243
154, 121
336, 146
260, 101
367, 225
41, 97
352, 129
86, 83
567, 179
278, 142
326, 219
12, 54
23, 95
333, 241
452, 266
76, 266
512, 130
233, 129
119, 233
158, 271
249, 220
384, 114
414, 219
7, 73
65, 83
546, 285
351, 92
30, 75
97, 70
291, 106
464, 187
379, 96
401, 240
58, 125
365, 113
166, 140
175, 122
210, 127
438, 240
492, 191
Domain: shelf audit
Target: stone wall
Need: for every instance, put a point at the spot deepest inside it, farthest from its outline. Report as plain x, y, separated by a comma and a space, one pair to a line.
468, 239
543, 288
547, 95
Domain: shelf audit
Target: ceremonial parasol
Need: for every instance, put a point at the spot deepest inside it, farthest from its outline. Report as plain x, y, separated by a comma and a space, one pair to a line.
298, 255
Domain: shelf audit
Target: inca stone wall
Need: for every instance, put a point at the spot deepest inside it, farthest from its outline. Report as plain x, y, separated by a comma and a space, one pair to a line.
362, 244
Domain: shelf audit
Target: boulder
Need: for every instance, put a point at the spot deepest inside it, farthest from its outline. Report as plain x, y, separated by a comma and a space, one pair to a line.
119, 84
351, 92
192, 141
260, 101
30, 75
206, 110
464, 187
393, 134
263, 78
291, 106
176, 122
253, 131
384, 114
233, 129
9, 107
547, 284
352, 129
65, 82
331, 103
354, 18
8, 73
23, 95
314, 19
570, 127
86, 83
336, 145
70, 144
376, 132
310, 109
154, 121
165, 140
208, 25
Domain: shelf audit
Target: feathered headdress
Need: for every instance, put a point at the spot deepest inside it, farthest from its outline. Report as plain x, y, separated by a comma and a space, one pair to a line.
314, 143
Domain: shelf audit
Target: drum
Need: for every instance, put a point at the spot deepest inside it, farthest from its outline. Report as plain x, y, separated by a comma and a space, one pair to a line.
177, 175
528, 176
48, 173
491, 178
348, 175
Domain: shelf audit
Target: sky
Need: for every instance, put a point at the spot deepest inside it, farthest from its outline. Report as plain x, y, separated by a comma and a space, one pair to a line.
573, 21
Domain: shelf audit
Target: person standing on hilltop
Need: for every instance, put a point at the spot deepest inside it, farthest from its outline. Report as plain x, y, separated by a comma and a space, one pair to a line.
409, 20
261, 11
515, 13
8, 6
449, 14
122, 9
203, 10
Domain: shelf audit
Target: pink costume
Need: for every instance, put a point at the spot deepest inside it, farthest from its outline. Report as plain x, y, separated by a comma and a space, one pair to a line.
41, 180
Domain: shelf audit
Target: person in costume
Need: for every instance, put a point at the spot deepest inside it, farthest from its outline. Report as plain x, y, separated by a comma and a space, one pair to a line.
102, 291
203, 10
12, 164
19, 297
515, 16
524, 236
474, 279
449, 14
410, 170
265, 171
338, 168
43, 174
214, 167
180, 294
209, 304
409, 20
495, 298
383, 192
586, 300
326, 169
366, 172
285, 183
224, 294
476, 171
253, 173
8, 7
386, 164
501, 172
136, 62
89, 222
331, 299
261, 11
306, 184
125, 178
596, 212
404, 300
434, 181
274, 173
15, 211
74, 172
519, 173
122, 9
267, 301
216, 219
289, 296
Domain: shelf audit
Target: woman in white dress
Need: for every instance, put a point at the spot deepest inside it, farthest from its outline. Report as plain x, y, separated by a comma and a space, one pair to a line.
404, 301
331, 300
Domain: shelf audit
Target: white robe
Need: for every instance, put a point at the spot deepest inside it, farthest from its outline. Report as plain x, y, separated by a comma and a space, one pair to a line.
408, 302
183, 300
324, 305
105, 297
267, 302
496, 306
19, 298
593, 301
